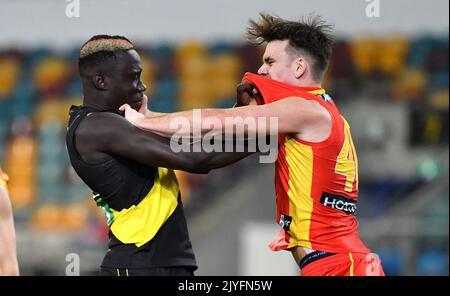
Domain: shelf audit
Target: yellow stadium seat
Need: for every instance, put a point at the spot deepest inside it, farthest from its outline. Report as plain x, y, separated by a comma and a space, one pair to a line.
64, 106
74, 217
364, 54
195, 67
21, 157
224, 76
189, 49
439, 99
148, 73
50, 110
392, 55
222, 89
194, 93
51, 72
9, 74
226, 66
22, 196
409, 84
47, 218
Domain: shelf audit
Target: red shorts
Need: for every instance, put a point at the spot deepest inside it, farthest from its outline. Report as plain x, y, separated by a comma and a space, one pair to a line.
342, 264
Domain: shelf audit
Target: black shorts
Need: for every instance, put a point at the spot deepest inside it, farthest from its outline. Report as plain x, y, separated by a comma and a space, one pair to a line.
156, 271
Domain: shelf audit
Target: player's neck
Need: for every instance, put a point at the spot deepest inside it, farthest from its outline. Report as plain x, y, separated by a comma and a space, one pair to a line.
309, 83
98, 103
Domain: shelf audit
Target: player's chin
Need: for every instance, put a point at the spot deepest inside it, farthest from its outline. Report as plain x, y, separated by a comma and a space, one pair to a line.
136, 105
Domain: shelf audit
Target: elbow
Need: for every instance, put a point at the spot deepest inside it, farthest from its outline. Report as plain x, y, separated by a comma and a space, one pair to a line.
192, 165
197, 163
199, 168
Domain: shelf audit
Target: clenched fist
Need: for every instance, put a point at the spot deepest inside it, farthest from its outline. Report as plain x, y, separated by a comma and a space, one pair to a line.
247, 94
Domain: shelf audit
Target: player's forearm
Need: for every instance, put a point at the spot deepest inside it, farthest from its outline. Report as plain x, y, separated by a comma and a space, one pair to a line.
251, 120
151, 114
223, 159
184, 123
202, 162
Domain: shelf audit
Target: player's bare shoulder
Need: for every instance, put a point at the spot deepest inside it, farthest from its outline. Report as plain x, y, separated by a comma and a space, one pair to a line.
97, 125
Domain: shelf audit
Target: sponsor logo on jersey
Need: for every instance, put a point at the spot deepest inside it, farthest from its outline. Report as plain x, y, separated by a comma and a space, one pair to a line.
338, 202
285, 221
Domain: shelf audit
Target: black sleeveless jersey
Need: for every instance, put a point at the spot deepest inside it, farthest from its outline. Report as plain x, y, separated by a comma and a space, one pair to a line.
142, 205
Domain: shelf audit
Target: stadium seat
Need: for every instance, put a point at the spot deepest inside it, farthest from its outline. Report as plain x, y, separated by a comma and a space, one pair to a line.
439, 80
10, 70
410, 84
251, 57
50, 110
224, 75
341, 63
148, 75
194, 94
47, 217
74, 217
419, 51
365, 54
439, 100
392, 261
165, 96
51, 74
432, 262
195, 67
220, 47
163, 56
392, 55
189, 49
20, 163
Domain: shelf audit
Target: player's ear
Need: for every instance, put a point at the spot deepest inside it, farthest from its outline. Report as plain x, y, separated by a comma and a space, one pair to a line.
300, 67
100, 81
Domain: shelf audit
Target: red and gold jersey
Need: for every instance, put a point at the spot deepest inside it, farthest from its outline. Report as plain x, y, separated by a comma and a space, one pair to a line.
3, 179
316, 184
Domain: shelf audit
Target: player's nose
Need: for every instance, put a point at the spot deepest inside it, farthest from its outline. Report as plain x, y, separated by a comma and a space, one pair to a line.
142, 87
262, 70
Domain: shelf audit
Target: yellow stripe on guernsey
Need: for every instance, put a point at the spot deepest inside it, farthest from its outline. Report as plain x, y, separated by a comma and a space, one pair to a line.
318, 92
300, 160
351, 263
139, 224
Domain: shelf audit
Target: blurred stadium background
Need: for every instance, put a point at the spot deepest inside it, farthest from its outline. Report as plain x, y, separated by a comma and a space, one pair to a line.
389, 75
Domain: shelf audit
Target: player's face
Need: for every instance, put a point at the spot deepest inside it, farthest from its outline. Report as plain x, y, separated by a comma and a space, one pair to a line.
127, 85
278, 64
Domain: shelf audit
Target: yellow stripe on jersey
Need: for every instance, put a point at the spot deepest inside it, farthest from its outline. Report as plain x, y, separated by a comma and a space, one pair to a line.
347, 162
352, 263
355, 155
139, 224
317, 92
300, 160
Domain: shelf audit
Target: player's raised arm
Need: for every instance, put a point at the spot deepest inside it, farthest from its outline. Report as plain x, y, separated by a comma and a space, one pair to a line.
292, 115
148, 148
